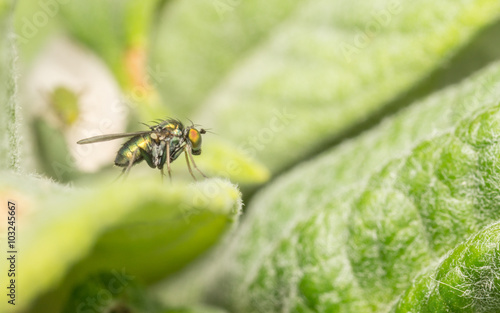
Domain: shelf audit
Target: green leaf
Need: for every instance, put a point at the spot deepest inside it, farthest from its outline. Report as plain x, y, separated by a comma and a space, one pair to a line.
350, 230
9, 137
196, 309
466, 280
223, 159
111, 292
64, 102
53, 152
347, 231
117, 31
303, 72
147, 229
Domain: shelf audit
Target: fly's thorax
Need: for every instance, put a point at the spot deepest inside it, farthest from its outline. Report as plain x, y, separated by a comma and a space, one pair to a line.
155, 136
160, 135
174, 143
170, 126
177, 133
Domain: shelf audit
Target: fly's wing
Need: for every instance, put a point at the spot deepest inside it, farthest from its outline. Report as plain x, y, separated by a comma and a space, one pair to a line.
110, 137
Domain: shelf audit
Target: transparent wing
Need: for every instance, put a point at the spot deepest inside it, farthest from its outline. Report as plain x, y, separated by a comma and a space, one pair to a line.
110, 137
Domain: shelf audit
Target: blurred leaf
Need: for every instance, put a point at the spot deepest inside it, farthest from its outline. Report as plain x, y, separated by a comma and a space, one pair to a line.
351, 229
199, 43
9, 137
301, 72
222, 159
148, 230
346, 232
197, 309
53, 154
118, 31
27, 193
111, 293
64, 101
466, 280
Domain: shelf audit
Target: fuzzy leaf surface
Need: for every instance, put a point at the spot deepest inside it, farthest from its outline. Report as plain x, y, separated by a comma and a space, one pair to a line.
350, 230
147, 230
302, 72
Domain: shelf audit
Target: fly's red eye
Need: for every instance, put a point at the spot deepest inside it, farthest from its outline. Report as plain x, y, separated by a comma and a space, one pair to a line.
195, 138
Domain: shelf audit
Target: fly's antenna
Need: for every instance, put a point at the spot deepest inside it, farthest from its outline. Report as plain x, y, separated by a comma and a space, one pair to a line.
208, 130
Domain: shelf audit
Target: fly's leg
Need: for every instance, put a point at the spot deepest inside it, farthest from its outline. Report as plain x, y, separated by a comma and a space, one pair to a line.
188, 148
150, 162
189, 165
130, 163
125, 170
168, 162
147, 157
119, 176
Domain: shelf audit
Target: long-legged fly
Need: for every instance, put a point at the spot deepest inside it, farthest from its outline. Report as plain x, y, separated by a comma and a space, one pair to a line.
163, 143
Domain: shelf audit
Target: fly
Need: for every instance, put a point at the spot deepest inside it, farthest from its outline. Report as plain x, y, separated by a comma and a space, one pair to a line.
162, 143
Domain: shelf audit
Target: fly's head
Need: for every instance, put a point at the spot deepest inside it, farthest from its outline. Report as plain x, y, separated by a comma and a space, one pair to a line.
193, 138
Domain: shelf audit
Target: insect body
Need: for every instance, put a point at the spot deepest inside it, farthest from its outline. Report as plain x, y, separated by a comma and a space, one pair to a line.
163, 143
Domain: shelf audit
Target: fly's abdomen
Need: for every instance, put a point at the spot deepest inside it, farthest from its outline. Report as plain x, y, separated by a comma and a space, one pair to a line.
129, 152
